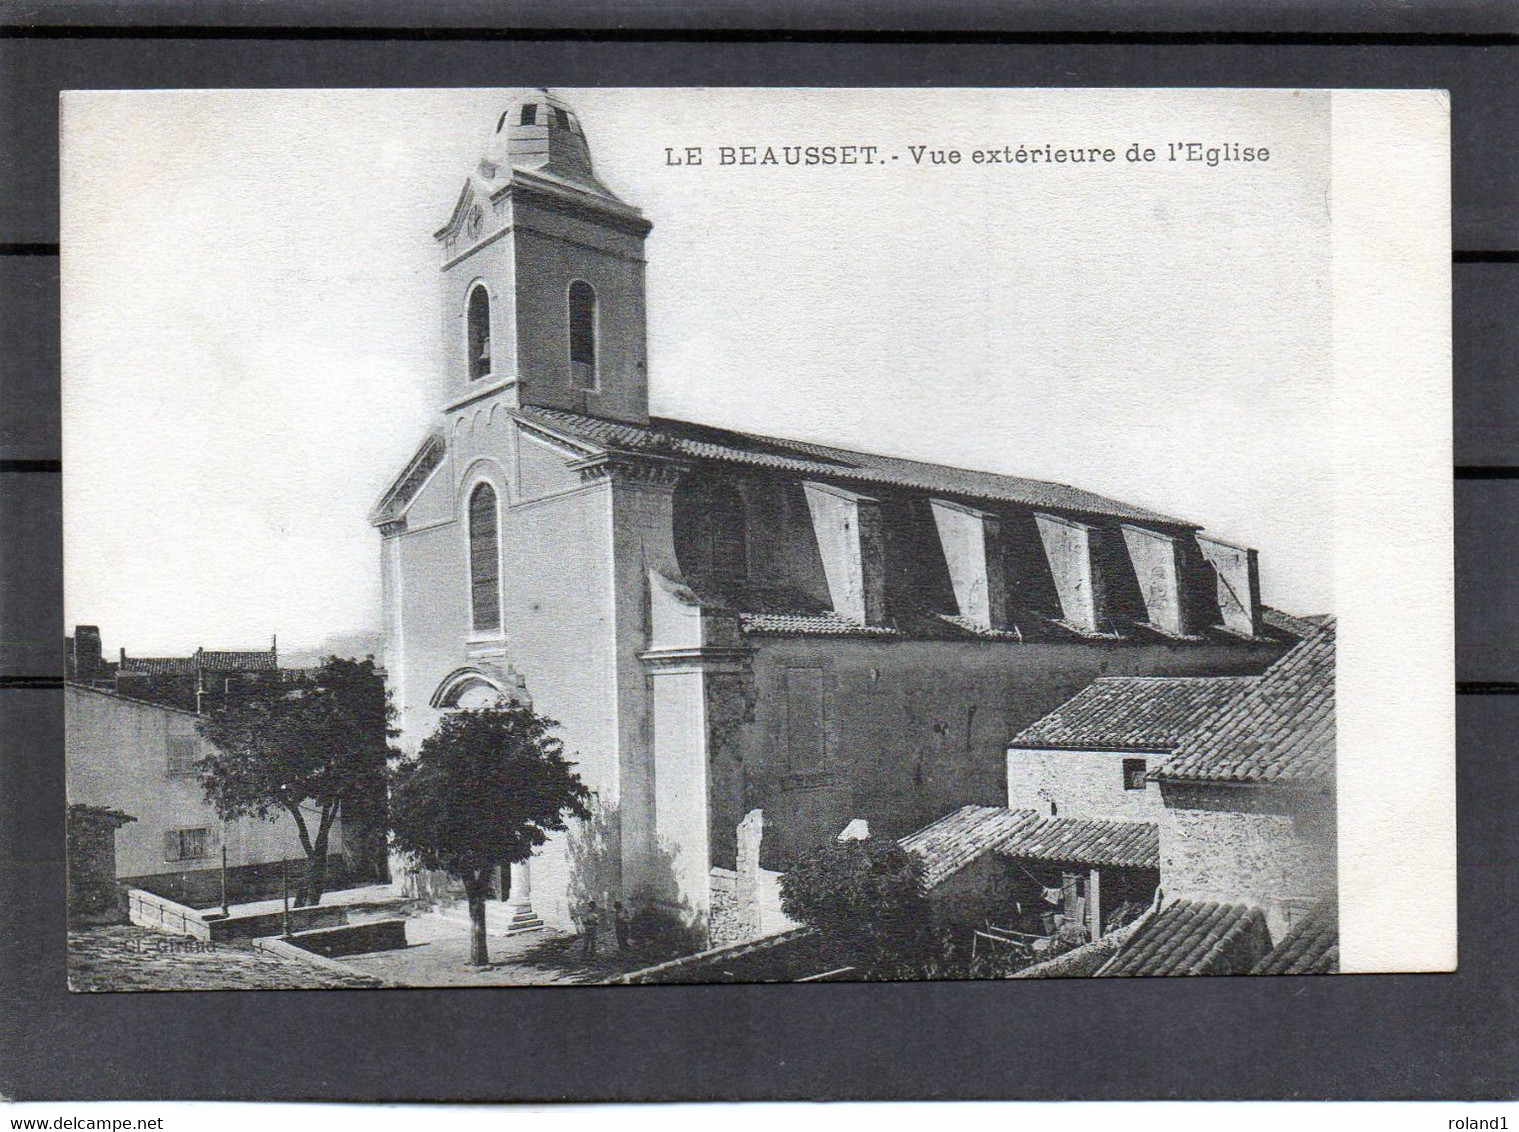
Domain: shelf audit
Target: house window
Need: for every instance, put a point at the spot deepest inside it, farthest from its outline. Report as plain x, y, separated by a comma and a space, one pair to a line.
184, 753
562, 116
1134, 774
187, 844
484, 560
805, 735
582, 314
529, 115
479, 335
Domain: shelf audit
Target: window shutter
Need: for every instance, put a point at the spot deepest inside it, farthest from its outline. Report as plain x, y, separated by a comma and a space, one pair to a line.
171, 845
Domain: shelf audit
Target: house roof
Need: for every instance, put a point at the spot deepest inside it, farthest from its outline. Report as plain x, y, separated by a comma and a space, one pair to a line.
1140, 713
1310, 947
958, 838
790, 956
1127, 844
1279, 730
159, 665
1194, 938
685, 440
109, 814
78, 686
261, 661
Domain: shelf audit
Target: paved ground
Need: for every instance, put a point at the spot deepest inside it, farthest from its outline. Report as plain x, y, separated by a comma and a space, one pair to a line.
437, 955
128, 958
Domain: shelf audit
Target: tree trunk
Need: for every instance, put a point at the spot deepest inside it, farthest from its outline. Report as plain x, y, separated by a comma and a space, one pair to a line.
316, 861
474, 892
306, 847
316, 878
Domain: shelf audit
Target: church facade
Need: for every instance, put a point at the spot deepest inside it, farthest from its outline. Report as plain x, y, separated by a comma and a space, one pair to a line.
724, 622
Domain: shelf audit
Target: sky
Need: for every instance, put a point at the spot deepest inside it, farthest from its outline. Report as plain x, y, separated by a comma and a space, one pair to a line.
252, 324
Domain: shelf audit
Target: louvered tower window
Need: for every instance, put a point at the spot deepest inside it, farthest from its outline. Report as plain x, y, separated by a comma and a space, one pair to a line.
479, 336
582, 313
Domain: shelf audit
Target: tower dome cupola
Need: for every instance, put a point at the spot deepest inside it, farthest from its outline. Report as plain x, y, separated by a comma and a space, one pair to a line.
539, 132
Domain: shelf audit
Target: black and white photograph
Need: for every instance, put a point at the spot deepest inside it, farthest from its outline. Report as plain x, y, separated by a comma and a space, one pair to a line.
632, 536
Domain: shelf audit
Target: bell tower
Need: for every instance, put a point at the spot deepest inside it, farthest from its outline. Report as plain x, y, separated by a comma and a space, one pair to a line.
543, 274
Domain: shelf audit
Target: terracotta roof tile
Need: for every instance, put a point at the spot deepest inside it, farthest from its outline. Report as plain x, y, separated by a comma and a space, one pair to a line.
1133, 712
829, 624
1281, 729
1126, 844
685, 440
159, 665
1194, 938
958, 838
965, 835
263, 661
1310, 947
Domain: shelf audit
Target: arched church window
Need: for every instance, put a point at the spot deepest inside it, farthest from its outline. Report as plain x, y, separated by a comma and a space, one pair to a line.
478, 342
582, 303
484, 560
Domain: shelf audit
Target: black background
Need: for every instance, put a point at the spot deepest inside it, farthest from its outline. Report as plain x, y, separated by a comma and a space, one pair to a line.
1369, 1037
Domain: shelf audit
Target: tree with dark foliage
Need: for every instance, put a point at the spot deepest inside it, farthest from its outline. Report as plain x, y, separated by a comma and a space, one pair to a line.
302, 748
485, 790
867, 895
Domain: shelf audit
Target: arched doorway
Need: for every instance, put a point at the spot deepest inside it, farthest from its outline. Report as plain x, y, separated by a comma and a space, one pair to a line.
469, 689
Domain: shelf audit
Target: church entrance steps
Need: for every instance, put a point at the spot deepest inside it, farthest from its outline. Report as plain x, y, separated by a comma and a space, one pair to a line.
500, 919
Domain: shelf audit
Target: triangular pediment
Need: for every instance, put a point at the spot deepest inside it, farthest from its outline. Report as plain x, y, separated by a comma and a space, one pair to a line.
398, 496
461, 210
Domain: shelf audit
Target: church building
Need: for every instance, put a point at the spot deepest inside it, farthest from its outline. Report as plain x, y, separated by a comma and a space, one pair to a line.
724, 622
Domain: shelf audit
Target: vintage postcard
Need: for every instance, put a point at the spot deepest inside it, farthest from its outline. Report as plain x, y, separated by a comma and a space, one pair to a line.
640, 536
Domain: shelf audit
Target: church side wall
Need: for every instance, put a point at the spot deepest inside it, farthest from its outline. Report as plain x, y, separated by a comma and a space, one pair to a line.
909, 730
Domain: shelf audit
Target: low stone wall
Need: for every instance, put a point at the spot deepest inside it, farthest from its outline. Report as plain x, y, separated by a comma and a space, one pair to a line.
725, 921
263, 881
149, 910
353, 939
273, 923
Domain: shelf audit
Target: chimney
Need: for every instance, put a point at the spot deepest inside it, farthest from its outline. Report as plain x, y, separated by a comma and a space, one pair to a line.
972, 550
1237, 569
1072, 550
1158, 566
86, 662
852, 545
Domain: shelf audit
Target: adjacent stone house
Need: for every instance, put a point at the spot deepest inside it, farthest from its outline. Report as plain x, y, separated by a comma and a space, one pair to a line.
1221, 791
726, 622
93, 894
138, 757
